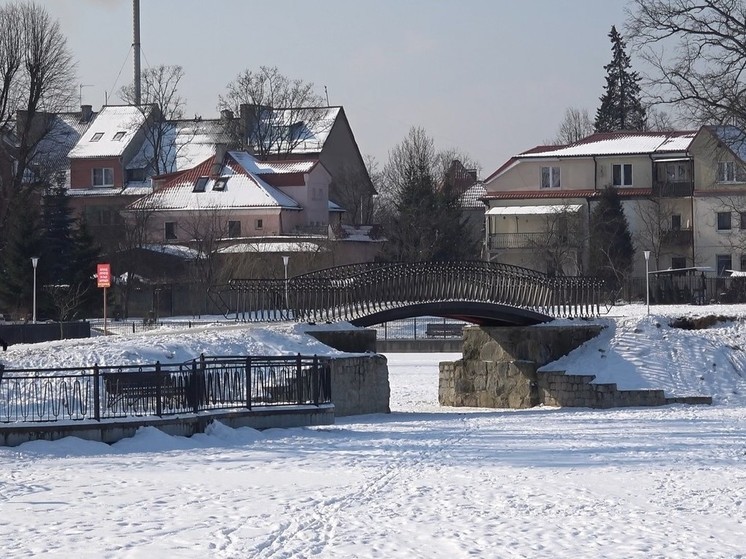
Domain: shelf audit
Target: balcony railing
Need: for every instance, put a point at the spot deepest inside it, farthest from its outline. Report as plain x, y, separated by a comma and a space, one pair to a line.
677, 237
668, 189
525, 240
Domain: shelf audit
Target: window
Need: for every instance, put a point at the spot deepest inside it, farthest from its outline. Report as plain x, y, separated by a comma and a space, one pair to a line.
170, 227
199, 186
742, 219
622, 174
676, 222
118, 136
730, 171
743, 262
234, 228
724, 221
678, 262
677, 172
103, 177
258, 224
220, 183
550, 177
137, 175
724, 262
97, 136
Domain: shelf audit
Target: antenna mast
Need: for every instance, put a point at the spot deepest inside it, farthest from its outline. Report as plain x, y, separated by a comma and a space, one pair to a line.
136, 46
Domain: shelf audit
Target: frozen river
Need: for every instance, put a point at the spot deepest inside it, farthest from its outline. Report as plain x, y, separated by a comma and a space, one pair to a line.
423, 481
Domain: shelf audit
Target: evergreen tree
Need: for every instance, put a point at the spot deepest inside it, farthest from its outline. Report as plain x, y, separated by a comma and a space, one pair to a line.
611, 250
24, 240
620, 108
425, 221
86, 254
58, 246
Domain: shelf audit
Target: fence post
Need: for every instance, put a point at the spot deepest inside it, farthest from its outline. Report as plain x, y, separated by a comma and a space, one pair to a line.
96, 392
158, 391
315, 379
204, 385
195, 387
248, 382
298, 379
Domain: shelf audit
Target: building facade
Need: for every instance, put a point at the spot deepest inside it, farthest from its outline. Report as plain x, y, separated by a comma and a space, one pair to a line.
683, 194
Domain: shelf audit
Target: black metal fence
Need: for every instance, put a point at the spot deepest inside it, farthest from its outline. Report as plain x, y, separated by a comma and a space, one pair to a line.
672, 289
204, 384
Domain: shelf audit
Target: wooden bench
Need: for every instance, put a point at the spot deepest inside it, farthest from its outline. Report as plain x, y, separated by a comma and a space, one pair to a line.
441, 330
131, 389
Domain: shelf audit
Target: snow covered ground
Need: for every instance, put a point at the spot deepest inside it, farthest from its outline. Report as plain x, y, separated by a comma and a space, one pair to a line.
423, 481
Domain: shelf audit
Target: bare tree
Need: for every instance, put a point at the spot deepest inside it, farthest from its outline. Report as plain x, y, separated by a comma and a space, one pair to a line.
277, 113
205, 229
161, 106
575, 126
66, 299
561, 244
696, 49
654, 232
37, 74
134, 236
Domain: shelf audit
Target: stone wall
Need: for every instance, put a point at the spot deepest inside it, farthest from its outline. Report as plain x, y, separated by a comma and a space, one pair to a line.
499, 370
360, 385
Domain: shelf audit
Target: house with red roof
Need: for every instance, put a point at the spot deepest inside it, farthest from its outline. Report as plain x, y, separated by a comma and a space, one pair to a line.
683, 193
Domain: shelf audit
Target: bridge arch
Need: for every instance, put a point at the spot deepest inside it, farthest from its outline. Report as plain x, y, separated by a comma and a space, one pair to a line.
370, 293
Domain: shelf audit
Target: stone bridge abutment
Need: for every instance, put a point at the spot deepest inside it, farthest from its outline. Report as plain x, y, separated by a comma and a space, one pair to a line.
499, 369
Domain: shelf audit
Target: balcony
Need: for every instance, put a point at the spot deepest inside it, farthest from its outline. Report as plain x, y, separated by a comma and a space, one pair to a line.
669, 189
677, 237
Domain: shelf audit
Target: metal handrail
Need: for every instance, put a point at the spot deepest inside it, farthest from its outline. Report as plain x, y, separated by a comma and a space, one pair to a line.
207, 383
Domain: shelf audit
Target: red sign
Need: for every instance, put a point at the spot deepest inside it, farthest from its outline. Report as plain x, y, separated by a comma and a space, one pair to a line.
103, 275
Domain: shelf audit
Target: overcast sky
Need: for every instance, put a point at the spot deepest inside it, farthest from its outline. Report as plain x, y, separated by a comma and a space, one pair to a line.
489, 78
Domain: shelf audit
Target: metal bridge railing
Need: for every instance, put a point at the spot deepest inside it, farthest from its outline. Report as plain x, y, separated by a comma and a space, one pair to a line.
350, 292
203, 384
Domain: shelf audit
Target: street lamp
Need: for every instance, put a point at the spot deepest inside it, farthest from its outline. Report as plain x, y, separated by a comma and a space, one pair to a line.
285, 260
34, 262
647, 280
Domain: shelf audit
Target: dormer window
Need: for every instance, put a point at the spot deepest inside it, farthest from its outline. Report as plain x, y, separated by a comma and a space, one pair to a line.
97, 136
199, 186
220, 183
118, 136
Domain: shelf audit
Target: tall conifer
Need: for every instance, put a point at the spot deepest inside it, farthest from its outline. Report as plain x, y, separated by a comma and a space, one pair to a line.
620, 108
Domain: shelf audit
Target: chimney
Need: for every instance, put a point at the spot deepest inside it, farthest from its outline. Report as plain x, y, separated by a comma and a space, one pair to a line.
226, 115
86, 112
249, 122
217, 165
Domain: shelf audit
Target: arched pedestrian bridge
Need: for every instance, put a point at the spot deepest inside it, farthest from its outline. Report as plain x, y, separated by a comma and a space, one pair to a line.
485, 293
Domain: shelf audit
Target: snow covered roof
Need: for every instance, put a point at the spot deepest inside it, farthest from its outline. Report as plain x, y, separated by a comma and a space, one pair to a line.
200, 189
533, 210
253, 165
65, 131
310, 134
473, 195
185, 144
110, 133
619, 143
179, 251
274, 246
